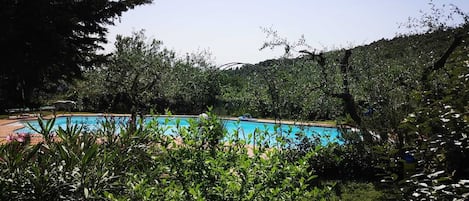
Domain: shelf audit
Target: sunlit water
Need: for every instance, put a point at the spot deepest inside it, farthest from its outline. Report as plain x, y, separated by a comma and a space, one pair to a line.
245, 129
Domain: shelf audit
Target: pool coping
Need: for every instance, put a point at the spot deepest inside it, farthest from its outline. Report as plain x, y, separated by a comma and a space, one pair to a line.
9, 126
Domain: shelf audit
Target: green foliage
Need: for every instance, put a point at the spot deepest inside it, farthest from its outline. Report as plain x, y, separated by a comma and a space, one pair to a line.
50, 43
45, 128
382, 79
359, 191
410, 94
437, 134
193, 82
142, 75
198, 162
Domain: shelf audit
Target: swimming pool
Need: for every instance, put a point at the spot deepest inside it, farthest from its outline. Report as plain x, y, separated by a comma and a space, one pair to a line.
244, 128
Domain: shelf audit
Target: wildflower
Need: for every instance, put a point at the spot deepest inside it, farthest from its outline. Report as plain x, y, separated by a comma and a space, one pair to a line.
10, 138
21, 138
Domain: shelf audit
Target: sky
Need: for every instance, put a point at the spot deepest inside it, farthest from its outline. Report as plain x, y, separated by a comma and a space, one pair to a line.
232, 30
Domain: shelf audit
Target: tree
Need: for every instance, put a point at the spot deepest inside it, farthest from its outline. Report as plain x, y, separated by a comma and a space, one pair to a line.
439, 126
133, 75
141, 75
350, 105
279, 76
48, 41
192, 84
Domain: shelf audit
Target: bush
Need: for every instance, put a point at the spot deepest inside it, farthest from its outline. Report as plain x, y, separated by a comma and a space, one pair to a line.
147, 165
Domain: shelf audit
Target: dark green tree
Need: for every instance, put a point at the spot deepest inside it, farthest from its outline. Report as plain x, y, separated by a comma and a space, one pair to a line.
47, 41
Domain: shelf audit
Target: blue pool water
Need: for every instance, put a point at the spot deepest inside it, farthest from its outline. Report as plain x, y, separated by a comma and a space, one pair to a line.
244, 128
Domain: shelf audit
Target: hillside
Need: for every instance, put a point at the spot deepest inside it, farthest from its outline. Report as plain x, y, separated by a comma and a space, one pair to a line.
381, 73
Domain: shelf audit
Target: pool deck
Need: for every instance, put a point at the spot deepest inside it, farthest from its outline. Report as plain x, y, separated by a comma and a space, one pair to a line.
8, 126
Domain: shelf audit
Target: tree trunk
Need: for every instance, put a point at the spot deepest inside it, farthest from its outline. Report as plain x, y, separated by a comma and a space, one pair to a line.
133, 120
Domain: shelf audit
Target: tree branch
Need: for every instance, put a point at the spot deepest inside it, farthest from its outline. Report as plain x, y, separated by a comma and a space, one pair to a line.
442, 61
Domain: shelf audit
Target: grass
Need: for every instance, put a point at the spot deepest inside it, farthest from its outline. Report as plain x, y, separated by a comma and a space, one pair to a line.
360, 192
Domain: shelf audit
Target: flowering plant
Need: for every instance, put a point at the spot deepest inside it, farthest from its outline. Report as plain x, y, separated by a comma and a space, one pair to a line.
20, 137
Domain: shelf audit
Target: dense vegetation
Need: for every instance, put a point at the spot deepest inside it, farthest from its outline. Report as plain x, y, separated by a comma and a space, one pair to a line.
408, 97
146, 164
47, 43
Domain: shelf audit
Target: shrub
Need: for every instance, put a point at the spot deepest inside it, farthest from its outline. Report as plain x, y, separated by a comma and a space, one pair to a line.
147, 165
